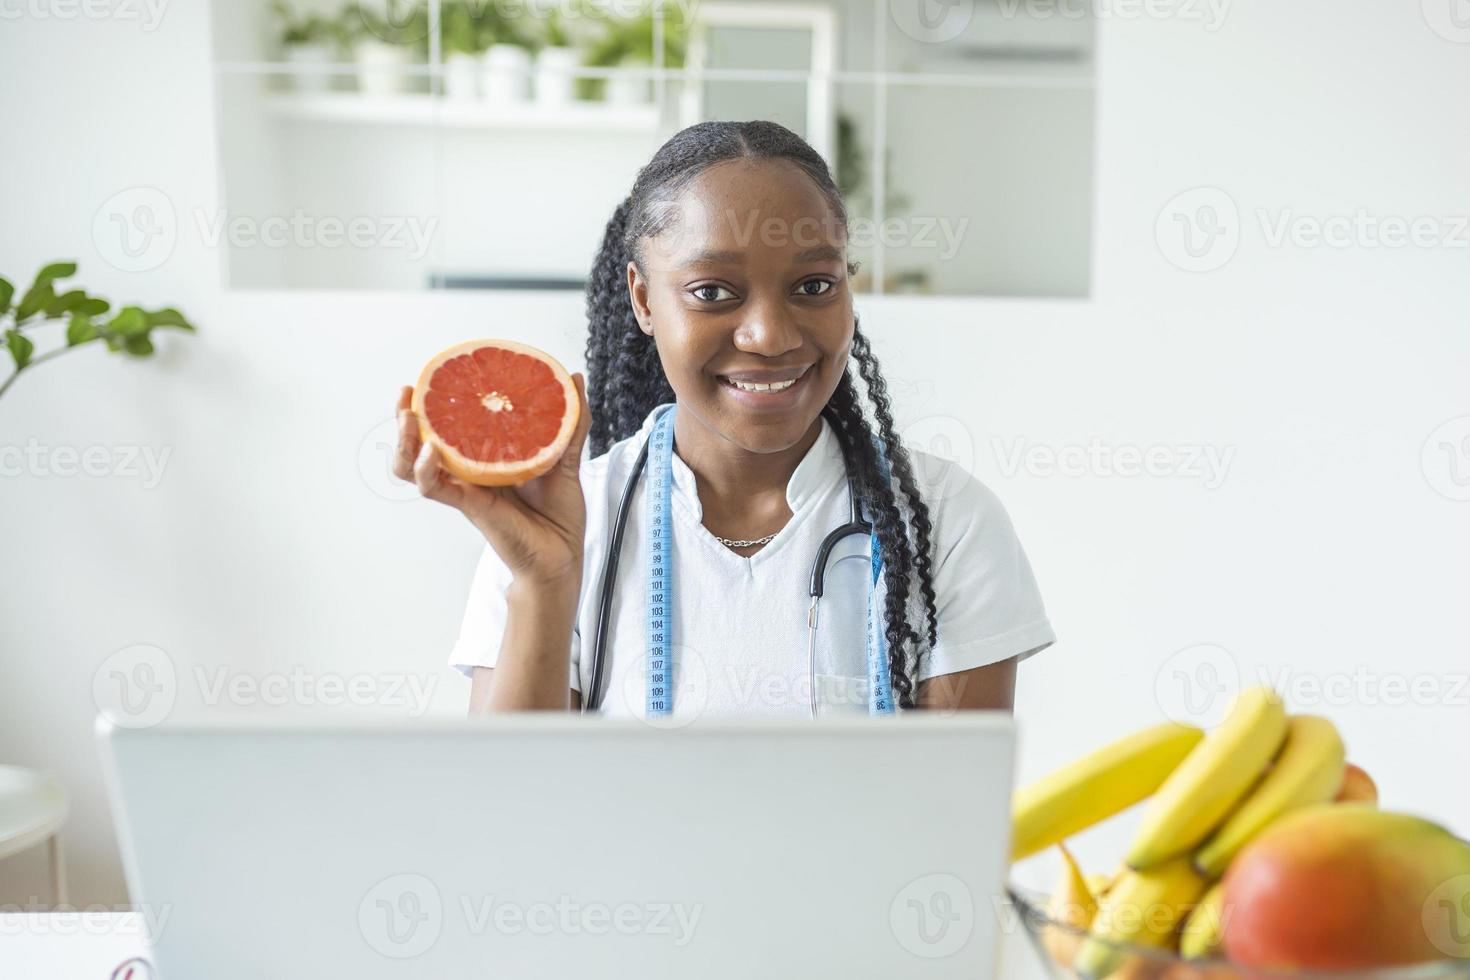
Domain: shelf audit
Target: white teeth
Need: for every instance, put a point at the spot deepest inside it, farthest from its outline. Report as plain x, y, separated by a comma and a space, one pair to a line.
752, 386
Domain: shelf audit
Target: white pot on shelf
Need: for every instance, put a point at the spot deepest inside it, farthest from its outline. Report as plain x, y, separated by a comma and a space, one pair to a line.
628, 90
554, 81
505, 73
307, 57
462, 76
381, 67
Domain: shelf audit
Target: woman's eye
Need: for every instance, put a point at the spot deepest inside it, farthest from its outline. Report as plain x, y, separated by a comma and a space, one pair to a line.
822, 286
710, 293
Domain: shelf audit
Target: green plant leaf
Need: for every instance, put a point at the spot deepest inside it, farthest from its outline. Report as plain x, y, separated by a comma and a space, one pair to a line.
20, 347
56, 270
6, 292
130, 321
80, 330
93, 306
138, 346
67, 302
36, 299
169, 318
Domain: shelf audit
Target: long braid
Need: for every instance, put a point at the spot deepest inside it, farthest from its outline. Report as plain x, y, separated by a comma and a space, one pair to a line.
903, 469
625, 379
904, 559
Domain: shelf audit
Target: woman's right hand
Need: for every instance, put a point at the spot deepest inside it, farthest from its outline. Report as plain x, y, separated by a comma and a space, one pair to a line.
537, 528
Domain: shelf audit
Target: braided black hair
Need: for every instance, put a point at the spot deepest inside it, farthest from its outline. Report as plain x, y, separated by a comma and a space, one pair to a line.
625, 380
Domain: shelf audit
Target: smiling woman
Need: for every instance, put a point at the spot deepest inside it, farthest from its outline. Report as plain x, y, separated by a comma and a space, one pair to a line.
721, 342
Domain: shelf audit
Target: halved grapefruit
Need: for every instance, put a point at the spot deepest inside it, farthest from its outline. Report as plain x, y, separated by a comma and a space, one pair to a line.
500, 413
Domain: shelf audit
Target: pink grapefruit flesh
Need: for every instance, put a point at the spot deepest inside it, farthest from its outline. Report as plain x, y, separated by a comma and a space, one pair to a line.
499, 412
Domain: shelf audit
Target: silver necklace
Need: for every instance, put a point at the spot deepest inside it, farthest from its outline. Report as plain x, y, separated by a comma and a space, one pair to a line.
743, 544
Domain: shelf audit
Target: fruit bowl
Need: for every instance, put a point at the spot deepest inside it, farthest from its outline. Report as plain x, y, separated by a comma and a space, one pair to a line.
1055, 942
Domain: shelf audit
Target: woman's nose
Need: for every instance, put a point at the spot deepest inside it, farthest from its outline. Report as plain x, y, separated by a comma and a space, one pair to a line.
768, 330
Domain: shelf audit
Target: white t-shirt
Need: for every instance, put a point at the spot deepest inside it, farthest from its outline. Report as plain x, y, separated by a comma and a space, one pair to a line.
740, 623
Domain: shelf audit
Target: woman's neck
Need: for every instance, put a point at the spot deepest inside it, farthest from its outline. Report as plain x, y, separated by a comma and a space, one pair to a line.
742, 493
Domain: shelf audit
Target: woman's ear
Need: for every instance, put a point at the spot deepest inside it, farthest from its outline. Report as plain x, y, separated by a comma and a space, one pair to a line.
638, 293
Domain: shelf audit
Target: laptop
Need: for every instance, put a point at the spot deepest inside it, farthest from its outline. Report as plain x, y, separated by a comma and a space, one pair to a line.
554, 846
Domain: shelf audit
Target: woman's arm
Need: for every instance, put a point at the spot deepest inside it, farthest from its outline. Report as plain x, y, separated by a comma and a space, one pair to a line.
533, 671
480, 693
992, 687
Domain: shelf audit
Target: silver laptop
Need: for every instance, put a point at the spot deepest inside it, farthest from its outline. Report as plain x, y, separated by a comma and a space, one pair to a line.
561, 847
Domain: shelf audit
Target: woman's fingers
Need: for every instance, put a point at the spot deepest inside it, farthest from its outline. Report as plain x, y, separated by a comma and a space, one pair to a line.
572, 458
418, 462
408, 436
432, 481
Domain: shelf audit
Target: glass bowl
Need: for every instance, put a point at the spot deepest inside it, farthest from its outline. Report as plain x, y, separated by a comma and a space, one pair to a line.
1057, 942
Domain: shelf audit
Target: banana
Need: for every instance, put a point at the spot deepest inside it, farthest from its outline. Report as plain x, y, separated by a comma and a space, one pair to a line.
1097, 786
1308, 770
1073, 903
1207, 785
1205, 927
1142, 909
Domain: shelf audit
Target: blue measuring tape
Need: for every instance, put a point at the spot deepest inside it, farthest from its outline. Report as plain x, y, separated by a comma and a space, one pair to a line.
880, 683
661, 568
660, 672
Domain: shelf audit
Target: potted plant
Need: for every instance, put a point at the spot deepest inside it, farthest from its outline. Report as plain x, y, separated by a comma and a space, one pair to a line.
628, 43
462, 39
88, 319
505, 67
309, 43
384, 45
556, 61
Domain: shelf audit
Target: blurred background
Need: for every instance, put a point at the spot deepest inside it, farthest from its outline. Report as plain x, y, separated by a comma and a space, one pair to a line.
1184, 281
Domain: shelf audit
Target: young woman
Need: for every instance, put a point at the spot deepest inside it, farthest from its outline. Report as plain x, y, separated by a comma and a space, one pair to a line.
721, 298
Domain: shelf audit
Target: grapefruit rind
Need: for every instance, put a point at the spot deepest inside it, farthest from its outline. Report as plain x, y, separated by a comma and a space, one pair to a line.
487, 474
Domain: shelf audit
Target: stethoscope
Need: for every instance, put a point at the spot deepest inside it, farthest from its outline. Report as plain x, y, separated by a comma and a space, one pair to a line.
855, 525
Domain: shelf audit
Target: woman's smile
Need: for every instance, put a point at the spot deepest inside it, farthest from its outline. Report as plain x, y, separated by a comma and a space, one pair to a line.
766, 390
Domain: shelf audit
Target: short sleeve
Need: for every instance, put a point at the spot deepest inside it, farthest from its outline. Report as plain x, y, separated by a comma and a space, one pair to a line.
485, 613
987, 602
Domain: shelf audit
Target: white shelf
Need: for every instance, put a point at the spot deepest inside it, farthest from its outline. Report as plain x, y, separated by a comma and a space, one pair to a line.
433, 110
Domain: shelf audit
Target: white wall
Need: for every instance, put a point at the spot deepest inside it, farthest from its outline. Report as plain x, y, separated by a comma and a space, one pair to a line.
1325, 370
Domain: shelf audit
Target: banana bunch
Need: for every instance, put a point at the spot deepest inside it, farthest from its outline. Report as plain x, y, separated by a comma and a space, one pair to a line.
1209, 794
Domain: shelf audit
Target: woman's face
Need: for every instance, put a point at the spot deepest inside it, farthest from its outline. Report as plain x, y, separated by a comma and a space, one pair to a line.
749, 284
